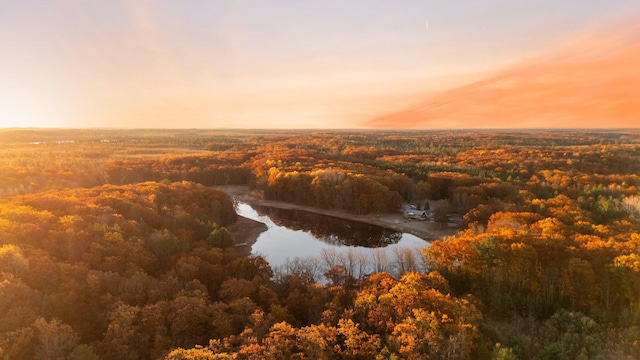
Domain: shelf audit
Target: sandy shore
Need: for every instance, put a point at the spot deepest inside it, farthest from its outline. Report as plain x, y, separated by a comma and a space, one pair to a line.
395, 221
245, 232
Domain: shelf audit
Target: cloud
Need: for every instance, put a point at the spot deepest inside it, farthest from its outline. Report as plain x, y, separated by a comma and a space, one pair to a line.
591, 81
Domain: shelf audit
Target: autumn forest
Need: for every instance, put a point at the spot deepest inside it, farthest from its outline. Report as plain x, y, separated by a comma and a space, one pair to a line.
115, 244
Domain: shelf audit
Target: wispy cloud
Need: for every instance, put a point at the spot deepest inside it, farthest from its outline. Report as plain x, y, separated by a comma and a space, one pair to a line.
591, 81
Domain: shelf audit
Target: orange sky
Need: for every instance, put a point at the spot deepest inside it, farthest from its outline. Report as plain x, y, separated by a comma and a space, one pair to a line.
317, 64
593, 81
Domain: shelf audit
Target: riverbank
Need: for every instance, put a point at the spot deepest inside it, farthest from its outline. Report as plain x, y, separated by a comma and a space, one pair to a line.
245, 233
394, 221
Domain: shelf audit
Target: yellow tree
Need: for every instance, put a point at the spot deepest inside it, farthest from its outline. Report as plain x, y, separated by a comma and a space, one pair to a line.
357, 344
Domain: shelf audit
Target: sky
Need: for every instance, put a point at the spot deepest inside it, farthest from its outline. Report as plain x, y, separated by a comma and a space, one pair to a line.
319, 64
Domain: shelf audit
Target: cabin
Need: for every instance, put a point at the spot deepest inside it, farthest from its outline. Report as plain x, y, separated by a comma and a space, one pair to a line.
412, 212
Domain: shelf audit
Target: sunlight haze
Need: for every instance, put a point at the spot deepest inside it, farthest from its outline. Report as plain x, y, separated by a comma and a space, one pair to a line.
318, 64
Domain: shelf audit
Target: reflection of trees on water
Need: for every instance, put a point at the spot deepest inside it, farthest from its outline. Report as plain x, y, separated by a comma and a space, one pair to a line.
333, 266
331, 230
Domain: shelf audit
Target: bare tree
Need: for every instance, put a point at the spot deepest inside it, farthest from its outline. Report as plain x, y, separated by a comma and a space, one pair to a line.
362, 264
380, 261
329, 258
309, 265
405, 260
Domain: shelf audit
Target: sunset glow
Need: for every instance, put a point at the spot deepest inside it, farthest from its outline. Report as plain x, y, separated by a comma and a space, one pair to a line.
216, 64
589, 82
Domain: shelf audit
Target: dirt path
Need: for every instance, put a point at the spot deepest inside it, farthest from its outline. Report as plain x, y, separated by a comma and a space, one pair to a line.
395, 221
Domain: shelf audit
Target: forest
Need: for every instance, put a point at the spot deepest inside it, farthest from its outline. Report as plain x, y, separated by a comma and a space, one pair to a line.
114, 245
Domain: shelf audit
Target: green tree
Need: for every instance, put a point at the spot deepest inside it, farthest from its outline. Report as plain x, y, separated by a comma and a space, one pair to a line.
83, 352
220, 238
502, 353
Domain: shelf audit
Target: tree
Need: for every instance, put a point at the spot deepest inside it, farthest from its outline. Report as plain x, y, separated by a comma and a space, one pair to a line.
405, 260
12, 260
627, 267
83, 352
357, 344
502, 353
119, 339
280, 343
423, 189
570, 335
234, 288
338, 275
419, 335
220, 238
441, 209
196, 353
580, 284
190, 320
317, 342
54, 339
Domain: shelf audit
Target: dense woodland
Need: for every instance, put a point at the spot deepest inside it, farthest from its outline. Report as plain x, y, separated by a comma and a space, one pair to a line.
113, 245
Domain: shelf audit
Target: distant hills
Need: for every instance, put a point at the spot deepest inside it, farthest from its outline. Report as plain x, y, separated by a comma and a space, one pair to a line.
592, 81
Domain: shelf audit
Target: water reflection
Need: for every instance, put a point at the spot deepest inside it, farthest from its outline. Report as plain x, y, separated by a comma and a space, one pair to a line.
305, 235
331, 230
